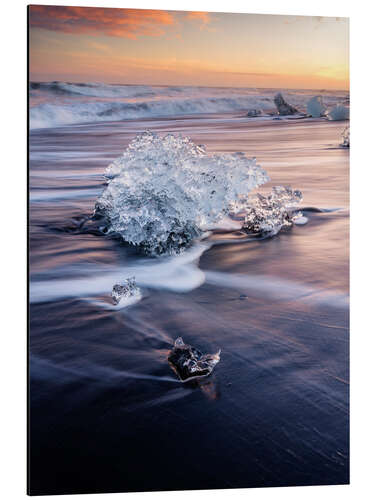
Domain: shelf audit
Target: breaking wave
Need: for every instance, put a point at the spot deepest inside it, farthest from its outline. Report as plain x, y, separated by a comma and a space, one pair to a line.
51, 115
164, 191
54, 104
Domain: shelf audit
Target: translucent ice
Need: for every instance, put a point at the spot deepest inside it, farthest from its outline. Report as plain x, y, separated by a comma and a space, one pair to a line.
163, 190
189, 363
128, 290
315, 107
269, 214
339, 112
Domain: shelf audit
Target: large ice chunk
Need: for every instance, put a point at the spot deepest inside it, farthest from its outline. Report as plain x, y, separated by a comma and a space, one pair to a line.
315, 107
283, 108
163, 190
271, 213
189, 363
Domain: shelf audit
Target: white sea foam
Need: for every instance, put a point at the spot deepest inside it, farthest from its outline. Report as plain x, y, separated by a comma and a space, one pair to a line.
37, 195
179, 274
175, 273
52, 115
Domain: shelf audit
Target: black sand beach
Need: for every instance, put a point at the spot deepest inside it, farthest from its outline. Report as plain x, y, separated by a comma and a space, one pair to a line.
107, 413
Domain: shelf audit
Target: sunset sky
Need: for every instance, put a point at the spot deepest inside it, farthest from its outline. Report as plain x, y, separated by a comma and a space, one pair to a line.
80, 44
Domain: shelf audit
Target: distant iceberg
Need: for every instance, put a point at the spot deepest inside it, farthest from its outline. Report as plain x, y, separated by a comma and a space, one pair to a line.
283, 108
315, 107
339, 112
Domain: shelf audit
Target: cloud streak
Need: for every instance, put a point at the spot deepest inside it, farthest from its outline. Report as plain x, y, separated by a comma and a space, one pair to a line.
203, 17
95, 21
124, 23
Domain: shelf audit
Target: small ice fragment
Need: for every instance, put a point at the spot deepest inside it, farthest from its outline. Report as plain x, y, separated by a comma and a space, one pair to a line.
345, 138
283, 108
339, 112
271, 213
253, 113
179, 342
300, 221
315, 107
126, 291
189, 363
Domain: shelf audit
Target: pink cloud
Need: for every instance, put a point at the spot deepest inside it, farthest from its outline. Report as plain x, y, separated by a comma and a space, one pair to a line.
125, 23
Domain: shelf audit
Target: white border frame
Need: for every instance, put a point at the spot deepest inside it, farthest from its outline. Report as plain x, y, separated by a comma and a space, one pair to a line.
13, 245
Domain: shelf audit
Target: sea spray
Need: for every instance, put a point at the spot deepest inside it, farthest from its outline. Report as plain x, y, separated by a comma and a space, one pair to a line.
164, 190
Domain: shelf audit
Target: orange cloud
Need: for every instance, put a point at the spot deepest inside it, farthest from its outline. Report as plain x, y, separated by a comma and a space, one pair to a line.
204, 17
126, 23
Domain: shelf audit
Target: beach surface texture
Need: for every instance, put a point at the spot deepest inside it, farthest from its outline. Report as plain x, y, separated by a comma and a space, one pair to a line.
107, 412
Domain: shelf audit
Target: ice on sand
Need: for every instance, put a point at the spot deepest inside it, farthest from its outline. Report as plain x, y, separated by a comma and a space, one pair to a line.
127, 290
189, 363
